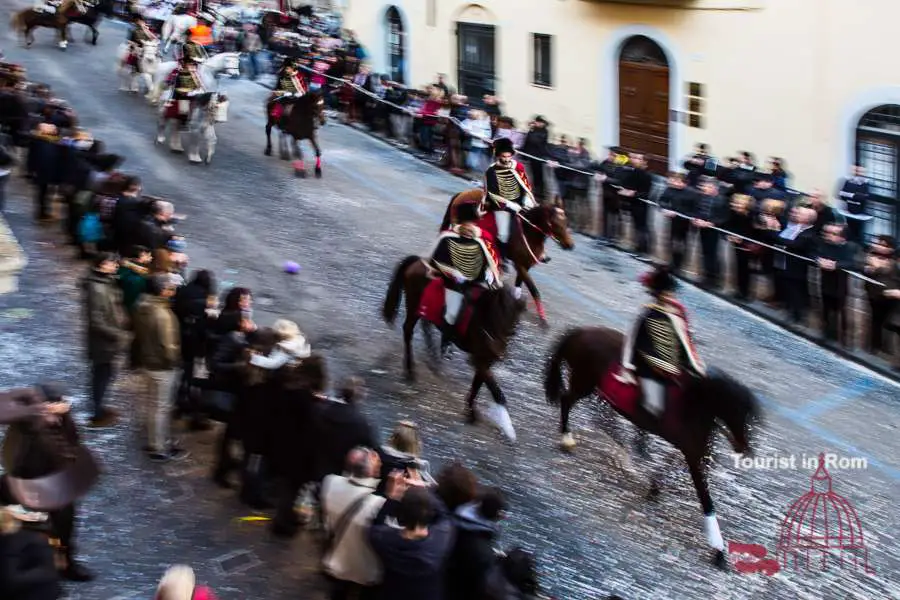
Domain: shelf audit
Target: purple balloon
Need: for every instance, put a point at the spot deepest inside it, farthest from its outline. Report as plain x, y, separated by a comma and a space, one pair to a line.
291, 267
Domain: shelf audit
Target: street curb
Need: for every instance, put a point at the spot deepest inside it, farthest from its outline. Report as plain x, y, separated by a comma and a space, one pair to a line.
883, 370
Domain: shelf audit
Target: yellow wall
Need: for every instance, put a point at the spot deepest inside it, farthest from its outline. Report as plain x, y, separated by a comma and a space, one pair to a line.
789, 79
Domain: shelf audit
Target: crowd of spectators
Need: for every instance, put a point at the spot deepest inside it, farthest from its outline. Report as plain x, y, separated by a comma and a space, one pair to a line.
388, 528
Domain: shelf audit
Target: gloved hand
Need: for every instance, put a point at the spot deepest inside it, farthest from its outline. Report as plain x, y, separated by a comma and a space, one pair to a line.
460, 279
513, 207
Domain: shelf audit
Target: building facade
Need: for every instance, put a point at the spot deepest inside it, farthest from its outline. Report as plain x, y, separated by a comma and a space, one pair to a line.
806, 80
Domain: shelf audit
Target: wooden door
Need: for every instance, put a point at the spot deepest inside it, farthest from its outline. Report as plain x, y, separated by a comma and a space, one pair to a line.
644, 112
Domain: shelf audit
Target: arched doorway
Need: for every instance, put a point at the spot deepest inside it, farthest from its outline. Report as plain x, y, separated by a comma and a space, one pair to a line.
476, 43
644, 101
396, 45
878, 151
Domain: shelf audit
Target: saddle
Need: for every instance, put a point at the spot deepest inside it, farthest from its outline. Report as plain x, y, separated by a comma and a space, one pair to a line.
624, 393
431, 306
279, 108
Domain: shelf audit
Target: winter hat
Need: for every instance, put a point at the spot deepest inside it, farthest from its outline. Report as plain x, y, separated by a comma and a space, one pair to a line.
177, 584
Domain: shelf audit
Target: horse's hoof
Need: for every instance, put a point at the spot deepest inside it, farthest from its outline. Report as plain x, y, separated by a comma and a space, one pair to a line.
410, 376
653, 493
471, 417
318, 173
567, 444
545, 325
300, 173
267, 152
720, 560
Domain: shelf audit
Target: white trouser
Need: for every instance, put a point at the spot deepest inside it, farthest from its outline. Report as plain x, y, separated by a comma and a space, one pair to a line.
452, 303
503, 219
654, 396
158, 408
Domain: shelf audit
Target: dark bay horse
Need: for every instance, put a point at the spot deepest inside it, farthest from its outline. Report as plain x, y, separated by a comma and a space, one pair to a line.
589, 352
494, 318
26, 21
526, 240
299, 120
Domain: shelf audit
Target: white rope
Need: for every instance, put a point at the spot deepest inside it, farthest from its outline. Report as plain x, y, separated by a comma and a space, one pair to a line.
554, 164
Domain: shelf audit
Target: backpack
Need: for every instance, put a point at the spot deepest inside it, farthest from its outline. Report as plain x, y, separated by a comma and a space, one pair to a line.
90, 229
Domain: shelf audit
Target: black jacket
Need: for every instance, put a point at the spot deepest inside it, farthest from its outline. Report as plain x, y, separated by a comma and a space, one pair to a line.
535, 142
27, 569
697, 166
834, 283
684, 201
473, 557
855, 195
228, 361
340, 428
44, 159
803, 245
190, 307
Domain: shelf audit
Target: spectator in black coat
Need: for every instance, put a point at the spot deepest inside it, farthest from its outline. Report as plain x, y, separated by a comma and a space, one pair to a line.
44, 164
537, 144
128, 213
792, 273
700, 164
413, 558
574, 183
835, 254
191, 305
155, 229
764, 189
341, 427
678, 198
824, 213
27, 567
741, 221
710, 211
607, 172
854, 193
474, 556
879, 267
637, 184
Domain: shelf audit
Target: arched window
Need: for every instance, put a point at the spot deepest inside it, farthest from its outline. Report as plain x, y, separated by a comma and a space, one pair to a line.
641, 49
396, 44
878, 151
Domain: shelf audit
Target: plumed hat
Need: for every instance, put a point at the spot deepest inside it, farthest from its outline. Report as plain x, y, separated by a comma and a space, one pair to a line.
502, 145
659, 280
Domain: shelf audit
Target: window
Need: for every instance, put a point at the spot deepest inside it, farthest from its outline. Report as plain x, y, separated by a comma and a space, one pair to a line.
541, 60
695, 105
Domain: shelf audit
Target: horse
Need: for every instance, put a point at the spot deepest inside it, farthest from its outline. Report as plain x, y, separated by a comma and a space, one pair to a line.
299, 119
147, 64
494, 317
228, 63
175, 30
591, 355
203, 114
527, 238
69, 11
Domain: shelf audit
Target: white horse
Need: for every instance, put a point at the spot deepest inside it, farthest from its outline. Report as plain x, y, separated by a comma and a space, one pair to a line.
175, 29
228, 63
203, 111
148, 61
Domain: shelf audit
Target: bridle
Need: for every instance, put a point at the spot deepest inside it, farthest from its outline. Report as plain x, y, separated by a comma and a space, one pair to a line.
548, 233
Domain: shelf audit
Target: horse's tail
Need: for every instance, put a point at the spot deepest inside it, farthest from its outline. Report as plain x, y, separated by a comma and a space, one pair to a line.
16, 21
448, 215
395, 291
554, 386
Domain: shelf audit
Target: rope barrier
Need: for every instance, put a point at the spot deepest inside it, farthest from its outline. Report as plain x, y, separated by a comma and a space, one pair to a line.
554, 164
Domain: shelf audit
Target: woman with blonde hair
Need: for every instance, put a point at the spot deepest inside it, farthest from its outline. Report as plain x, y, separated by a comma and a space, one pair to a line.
291, 347
402, 453
180, 583
27, 559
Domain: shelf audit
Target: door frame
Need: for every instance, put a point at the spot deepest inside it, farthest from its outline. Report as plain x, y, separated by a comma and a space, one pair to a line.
404, 43
460, 25
608, 115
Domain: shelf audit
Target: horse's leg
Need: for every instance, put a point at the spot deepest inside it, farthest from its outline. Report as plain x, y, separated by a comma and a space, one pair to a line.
268, 150
63, 37
161, 130
314, 139
210, 139
282, 145
194, 128
94, 35
525, 277
409, 328
471, 413
497, 412
710, 522
299, 167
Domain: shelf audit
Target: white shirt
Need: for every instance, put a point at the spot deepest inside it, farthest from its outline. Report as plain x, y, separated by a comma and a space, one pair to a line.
353, 558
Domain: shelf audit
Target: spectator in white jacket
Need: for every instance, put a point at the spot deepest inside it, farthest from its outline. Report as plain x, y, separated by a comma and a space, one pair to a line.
291, 347
349, 505
478, 127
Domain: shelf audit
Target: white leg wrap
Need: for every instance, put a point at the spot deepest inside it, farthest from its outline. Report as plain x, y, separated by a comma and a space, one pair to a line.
517, 292
503, 219
452, 303
654, 396
713, 534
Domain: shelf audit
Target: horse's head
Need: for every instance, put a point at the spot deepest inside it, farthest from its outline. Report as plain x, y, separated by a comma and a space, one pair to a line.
551, 221
730, 402
317, 106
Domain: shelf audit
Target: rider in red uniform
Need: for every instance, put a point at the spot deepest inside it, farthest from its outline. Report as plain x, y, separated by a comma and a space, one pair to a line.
507, 190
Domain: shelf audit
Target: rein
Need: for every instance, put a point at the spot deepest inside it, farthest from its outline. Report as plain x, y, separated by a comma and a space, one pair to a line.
539, 230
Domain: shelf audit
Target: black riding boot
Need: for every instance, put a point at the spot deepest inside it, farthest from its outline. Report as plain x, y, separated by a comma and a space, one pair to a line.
447, 337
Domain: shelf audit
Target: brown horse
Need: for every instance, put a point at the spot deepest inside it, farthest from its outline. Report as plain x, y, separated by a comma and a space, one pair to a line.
299, 120
493, 323
527, 238
27, 20
589, 352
